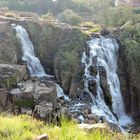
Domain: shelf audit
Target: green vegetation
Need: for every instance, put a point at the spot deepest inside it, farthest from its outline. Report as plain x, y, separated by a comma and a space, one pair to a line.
10, 82
28, 103
129, 37
68, 16
26, 128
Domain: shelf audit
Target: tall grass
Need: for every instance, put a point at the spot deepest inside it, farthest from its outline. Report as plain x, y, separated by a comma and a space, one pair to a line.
26, 128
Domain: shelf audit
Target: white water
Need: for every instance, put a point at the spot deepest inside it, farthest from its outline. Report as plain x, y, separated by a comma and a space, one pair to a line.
34, 65
105, 51
60, 93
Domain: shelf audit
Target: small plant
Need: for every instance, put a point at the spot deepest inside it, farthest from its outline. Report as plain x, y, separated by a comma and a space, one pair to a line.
10, 82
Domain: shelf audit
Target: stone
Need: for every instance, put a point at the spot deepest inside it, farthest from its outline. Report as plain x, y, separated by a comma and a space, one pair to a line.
75, 89
45, 92
44, 110
85, 96
91, 121
115, 127
94, 127
91, 116
11, 74
42, 137
105, 32
92, 86
27, 111
9, 51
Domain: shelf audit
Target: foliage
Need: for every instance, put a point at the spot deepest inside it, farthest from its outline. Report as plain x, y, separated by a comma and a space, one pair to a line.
29, 103
68, 16
48, 16
26, 128
130, 42
10, 82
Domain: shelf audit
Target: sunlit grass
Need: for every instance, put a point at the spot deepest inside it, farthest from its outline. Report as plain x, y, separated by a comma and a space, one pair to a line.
26, 128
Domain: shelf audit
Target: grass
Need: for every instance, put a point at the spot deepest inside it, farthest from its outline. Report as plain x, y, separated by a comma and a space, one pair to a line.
26, 128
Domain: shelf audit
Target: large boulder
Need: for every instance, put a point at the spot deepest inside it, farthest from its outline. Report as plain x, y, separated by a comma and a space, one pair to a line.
94, 127
29, 93
45, 92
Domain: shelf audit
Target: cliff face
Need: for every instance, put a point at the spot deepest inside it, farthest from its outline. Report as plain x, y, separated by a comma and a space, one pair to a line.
130, 79
59, 48
9, 51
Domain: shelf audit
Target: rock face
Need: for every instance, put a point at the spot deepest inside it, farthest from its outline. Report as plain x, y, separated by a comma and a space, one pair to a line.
129, 80
9, 51
3, 98
11, 74
59, 48
30, 93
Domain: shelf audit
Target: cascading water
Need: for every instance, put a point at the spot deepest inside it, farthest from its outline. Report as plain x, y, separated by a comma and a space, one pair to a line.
33, 63
104, 51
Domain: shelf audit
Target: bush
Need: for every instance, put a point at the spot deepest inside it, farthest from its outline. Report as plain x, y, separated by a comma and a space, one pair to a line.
68, 16
48, 16
130, 41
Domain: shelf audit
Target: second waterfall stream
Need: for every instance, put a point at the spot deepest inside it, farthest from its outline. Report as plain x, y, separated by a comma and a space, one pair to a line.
103, 52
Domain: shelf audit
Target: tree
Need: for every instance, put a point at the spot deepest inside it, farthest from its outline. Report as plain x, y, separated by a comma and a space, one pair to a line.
68, 16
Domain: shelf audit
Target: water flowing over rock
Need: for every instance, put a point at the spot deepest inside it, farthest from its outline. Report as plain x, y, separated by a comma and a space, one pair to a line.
33, 62
107, 101
34, 65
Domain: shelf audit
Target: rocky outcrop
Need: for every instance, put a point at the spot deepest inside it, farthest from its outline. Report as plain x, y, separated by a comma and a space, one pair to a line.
59, 48
9, 52
30, 93
11, 74
129, 80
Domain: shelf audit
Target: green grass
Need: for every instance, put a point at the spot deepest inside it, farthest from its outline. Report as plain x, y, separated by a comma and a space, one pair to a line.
26, 128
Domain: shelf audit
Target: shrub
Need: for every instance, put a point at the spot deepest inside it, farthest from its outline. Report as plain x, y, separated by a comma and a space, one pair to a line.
48, 16
68, 16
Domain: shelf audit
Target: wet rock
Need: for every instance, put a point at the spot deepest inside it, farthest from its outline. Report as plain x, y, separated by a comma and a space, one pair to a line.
93, 70
96, 35
75, 89
42, 137
129, 82
105, 87
85, 96
92, 86
115, 127
105, 32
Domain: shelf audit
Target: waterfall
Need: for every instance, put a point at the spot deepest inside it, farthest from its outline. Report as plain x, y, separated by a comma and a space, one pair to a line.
104, 51
33, 63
